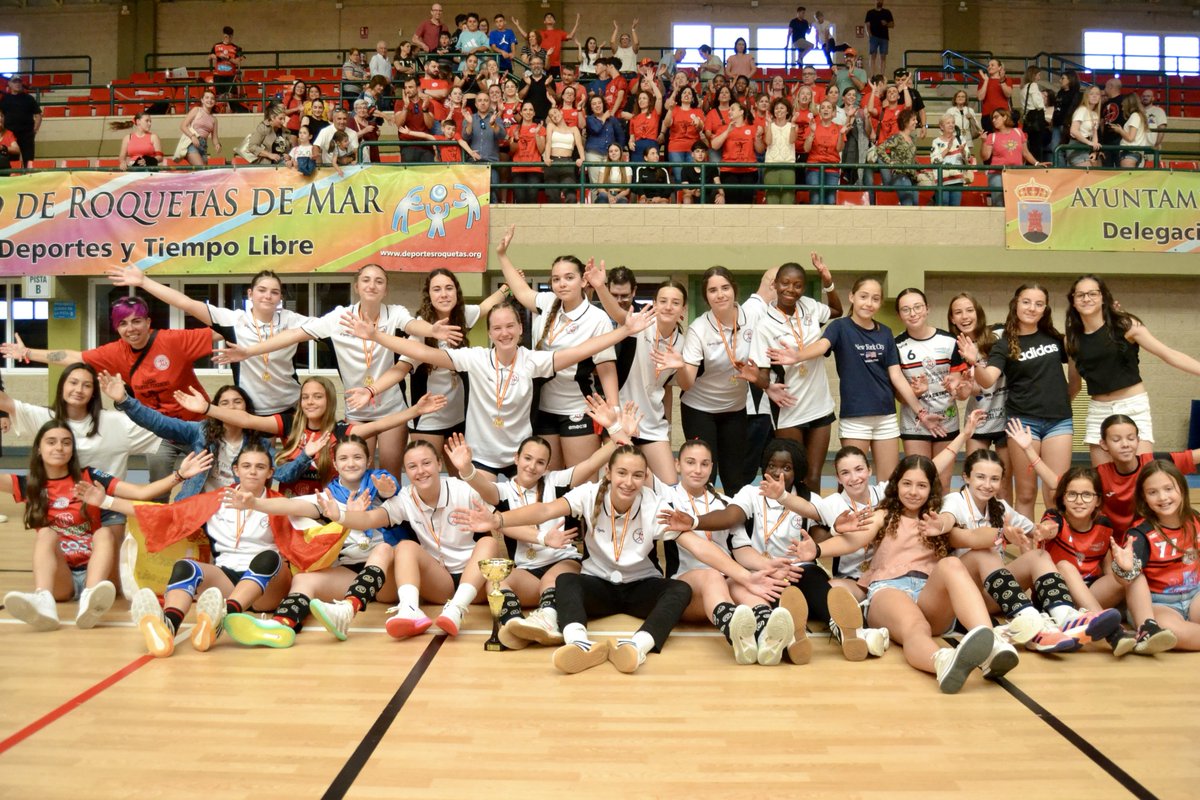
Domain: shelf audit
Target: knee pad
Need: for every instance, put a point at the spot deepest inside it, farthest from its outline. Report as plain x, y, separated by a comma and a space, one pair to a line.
262, 568
185, 576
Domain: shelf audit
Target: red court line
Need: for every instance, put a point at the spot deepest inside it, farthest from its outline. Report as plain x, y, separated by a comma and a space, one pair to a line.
74, 703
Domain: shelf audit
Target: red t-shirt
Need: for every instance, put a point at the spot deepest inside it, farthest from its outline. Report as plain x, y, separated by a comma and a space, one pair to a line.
428, 85
552, 40
168, 366
1084, 549
1119, 489
739, 146
525, 137
428, 33
72, 519
645, 126
8, 138
685, 129
615, 87
449, 155
993, 96
888, 124
803, 120
415, 120
824, 147
1168, 558
226, 61
509, 113
716, 121
1008, 148
570, 116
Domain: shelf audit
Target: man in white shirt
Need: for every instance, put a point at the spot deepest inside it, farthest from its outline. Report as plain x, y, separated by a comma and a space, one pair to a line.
340, 118
380, 63
1156, 118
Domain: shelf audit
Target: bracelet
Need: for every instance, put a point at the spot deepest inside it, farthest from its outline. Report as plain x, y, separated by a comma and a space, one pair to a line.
818, 546
499, 519
470, 477
1128, 575
107, 502
541, 538
207, 408
1034, 463
829, 288
178, 477
371, 391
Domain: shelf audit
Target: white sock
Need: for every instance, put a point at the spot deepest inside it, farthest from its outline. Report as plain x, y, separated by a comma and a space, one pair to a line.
409, 596
464, 594
644, 642
861, 632
575, 633
1062, 614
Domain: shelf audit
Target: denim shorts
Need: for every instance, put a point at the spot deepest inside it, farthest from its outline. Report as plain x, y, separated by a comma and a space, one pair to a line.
908, 584
1041, 428
1180, 601
111, 517
78, 579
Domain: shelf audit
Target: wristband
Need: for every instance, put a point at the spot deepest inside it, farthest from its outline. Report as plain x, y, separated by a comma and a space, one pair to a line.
107, 503
470, 477
818, 546
341, 517
829, 288
178, 477
615, 427
371, 391
541, 538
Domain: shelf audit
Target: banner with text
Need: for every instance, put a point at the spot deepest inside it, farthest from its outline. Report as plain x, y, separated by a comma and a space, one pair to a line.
1067, 209
411, 219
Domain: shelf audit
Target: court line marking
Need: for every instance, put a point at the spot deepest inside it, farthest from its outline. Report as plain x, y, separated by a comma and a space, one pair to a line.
74, 703
366, 748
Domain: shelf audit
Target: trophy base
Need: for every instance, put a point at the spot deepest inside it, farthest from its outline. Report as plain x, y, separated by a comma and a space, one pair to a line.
494, 646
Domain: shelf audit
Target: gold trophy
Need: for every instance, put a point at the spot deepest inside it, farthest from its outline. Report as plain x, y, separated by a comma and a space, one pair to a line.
495, 570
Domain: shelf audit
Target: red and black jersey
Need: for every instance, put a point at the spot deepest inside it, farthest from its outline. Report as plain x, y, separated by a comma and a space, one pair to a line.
1119, 488
1169, 557
227, 55
73, 520
310, 481
1084, 549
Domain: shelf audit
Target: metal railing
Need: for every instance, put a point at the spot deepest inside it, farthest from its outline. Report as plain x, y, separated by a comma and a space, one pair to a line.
29, 66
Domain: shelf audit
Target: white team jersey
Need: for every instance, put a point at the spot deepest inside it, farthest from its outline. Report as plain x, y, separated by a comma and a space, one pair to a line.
806, 381
830, 508
495, 443
706, 344
562, 394
269, 379
442, 381
117, 437
728, 540
929, 358
438, 536
238, 536
645, 385
755, 307
970, 516
359, 360
531, 555
625, 556
772, 527
356, 547
993, 401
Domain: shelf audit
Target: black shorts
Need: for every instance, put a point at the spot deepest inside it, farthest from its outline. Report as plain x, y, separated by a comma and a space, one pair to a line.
547, 424
233, 575
540, 572
639, 441
928, 437
455, 578
444, 432
812, 424
507, 472
999, 438
356, 568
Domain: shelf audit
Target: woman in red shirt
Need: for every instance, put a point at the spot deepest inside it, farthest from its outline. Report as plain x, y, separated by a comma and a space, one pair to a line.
740, 142
889, 111
1004, 146
140, 147
716, 121
994, 91
527, 140
644, 124
293, 103
682, 127
803, 120
824, 145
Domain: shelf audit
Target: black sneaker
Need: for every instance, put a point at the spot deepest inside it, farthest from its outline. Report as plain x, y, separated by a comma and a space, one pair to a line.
1153, 638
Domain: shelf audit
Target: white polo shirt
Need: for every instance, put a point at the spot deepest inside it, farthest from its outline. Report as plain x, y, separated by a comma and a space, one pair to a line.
359, 359
117, 437
968, 515
495, 444
438, 536
326, 136
717, 389
625, 557
728, 540
806, 381
562, 395
531, 555
830, 508
238, 536
645, 385
269, 379
771, 526
755, 306
441, 381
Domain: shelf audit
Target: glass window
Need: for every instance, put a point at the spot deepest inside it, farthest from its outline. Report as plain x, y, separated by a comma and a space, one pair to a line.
1182, 55
723, 39
691, 36
29, 321
1141, 52
10, 48
772, 47
1103, 49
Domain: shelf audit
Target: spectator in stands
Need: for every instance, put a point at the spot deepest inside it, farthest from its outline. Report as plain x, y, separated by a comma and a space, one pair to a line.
588, 55
602, 131
570, 81
695, 176
293, 104
740, 143
1005, 146
269, 142
742, 93
354, 74
469, 78
651, 175
797, 41
710, 67
1135, 132
879, 21
23, 117
740, 63
533, 48
1156, 118
226, 59
858, 141
199, 127
625, 48
484, 130
449, 132
312, 95
563, 155
304, 157
483, 25
375, 96
1085, 129
910, 95
808, 77
572, 113
644, 124
536, 89
1112, 114
140, 147
824, 144
460, 27
427, 35
1065, 102
966, 121
849, 74
827, 39
433, 84
552, 39
779, 136
949, 149
900, 150
404, 63
503, 42
668, 66
366, 126
338, 124
889, 114
472, 40
445, 53
317, 118
527, 140
612, 173
682, 128
1032, 106
716, 122
994, 91
10, 151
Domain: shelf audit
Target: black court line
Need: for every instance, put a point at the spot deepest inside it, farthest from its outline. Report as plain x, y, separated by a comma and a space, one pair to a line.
358, 759
1083, 745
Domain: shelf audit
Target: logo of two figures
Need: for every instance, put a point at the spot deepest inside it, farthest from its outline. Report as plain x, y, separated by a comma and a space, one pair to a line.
434, 207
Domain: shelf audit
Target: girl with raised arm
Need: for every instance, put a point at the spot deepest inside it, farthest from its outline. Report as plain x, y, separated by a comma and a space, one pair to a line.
359, 362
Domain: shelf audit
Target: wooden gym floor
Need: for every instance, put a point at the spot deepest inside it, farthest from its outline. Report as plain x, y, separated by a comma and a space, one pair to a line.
86, 714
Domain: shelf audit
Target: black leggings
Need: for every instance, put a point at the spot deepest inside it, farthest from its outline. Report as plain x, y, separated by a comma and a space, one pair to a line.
658, 601
526, 186
727, 434
734, 193
814, 585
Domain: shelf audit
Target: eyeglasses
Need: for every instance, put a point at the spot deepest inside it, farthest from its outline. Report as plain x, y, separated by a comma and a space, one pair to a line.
1094, 294
917, 309
133, 302
1076, 497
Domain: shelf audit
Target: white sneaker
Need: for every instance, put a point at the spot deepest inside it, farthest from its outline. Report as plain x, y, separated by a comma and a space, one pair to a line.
741, 634
36, 609
537, 627
778, 633
148, 617
335, 616
94, 602
1001, 661
878, 640
210, 619
1027, 624
406, 621
953, 665
3, 519
450, 620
